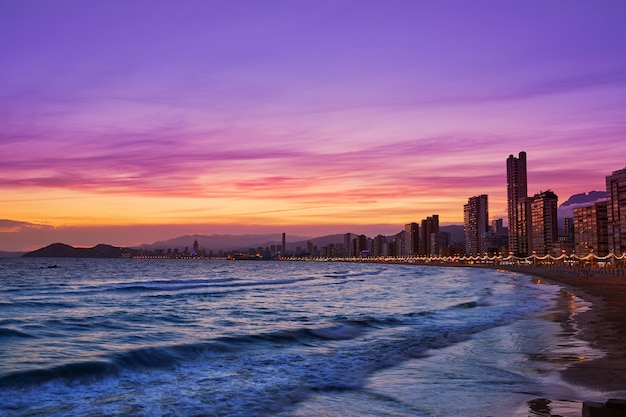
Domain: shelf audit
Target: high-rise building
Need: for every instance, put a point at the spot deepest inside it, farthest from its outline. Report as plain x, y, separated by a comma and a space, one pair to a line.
496, 240
568, 228
412, 239
523, 227
439, 241
517, 192
380, 246
398, 244
347, 245
544, 222
430, 225
195, 247
283, 245
566, 239
591, 230
497, 226
616, 211
476, 223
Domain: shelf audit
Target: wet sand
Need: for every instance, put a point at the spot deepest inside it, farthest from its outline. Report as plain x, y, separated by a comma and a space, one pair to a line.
603, 325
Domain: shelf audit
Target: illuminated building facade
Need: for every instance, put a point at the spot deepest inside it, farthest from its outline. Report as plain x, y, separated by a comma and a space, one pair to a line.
517, 192
616, 211
475, 223
591, 230
430, 225
544, 222
412, 239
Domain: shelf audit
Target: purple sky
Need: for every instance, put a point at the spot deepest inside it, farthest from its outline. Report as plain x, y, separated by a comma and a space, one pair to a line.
313, 117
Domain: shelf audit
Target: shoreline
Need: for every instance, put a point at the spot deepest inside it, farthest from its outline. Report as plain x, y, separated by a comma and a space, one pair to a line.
603, 325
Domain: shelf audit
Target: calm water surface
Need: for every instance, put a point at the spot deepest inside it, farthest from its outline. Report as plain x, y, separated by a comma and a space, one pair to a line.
124, 337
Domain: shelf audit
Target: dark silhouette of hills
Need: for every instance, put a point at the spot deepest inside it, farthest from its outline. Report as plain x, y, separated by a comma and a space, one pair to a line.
585, 198
213, 243
566, 209
223, 242
244, 242
61, 250
457, 232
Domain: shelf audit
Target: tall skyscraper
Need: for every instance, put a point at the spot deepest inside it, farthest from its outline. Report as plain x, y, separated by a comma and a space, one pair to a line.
544, 222
517, 193
412, 239
283, 246
430, 225
476, 223
616, 210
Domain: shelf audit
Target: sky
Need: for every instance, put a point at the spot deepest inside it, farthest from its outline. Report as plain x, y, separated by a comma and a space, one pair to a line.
130, 121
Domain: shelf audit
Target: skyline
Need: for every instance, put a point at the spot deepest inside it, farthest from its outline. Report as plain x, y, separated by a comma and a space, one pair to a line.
129, 122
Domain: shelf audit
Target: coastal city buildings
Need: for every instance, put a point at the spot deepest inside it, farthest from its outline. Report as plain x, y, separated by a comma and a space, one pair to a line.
616, 210
591, 226
598, 229
430, 225
517, 191
411, 239
496, 241
568, 228
543, 223
476, 224
440, 243
533, 223
347, 245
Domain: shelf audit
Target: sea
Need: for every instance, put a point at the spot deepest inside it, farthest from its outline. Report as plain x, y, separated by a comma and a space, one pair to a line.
149, 337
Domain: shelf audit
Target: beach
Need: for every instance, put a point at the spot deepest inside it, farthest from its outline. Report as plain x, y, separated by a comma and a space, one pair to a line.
603, 325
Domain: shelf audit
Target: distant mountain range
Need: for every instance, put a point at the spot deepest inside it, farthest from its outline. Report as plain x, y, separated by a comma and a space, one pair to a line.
566, 209
244, 242
224, 242
213, 243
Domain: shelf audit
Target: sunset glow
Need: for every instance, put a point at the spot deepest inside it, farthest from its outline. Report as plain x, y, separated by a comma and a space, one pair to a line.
128, 121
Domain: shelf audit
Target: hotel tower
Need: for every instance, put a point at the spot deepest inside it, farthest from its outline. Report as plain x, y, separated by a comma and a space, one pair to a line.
616, 211
475, 224
517, 194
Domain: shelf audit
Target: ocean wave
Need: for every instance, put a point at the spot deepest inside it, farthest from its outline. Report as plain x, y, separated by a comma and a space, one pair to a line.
181, 285
6, 333
421, 335
354, 273
342, 332
39, 304
169, 285
71, 371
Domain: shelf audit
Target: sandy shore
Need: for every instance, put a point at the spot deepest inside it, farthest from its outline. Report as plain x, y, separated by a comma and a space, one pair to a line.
603, 325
